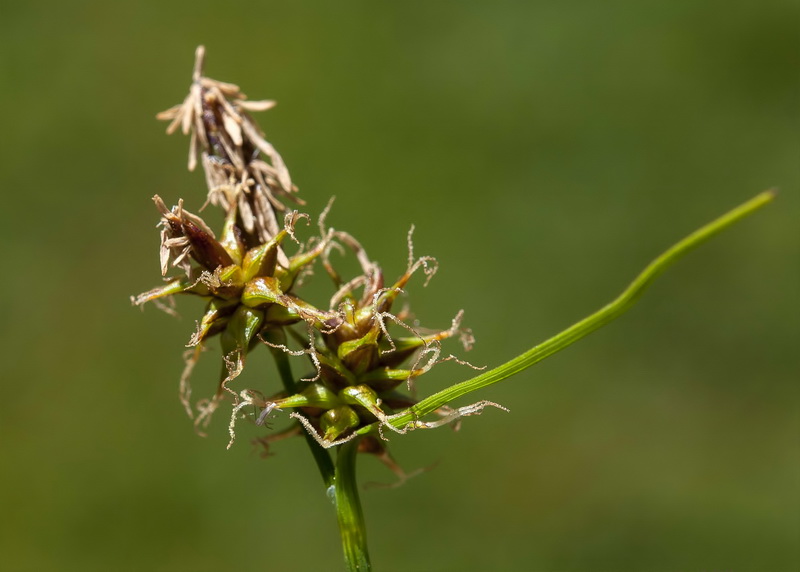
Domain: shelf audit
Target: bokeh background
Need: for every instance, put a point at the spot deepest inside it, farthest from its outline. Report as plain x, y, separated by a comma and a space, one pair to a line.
546, 151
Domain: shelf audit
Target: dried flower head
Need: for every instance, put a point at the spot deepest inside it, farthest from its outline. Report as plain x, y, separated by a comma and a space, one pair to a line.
242, 168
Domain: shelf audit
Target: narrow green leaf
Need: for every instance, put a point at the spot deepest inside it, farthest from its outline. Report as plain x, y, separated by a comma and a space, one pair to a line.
586, 326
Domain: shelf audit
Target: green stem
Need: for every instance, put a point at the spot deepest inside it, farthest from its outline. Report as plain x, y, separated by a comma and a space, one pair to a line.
586, 326
321, 456
348, 509
339, 480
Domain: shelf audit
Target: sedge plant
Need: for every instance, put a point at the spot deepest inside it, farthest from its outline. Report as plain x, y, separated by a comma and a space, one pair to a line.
359, 352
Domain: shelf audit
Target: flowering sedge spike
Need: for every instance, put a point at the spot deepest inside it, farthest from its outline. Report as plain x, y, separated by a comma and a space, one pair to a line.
360, 363
250, 287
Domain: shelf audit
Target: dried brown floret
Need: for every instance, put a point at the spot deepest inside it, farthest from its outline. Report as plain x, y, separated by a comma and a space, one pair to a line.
242, 168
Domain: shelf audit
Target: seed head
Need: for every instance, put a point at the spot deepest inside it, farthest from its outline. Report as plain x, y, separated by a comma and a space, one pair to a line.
251, 285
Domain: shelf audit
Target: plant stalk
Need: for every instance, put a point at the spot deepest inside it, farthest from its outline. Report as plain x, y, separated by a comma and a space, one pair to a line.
348, 509
321, 456
340, 481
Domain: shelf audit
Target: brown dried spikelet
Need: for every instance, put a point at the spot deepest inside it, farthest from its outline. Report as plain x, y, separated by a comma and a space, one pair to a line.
243, 170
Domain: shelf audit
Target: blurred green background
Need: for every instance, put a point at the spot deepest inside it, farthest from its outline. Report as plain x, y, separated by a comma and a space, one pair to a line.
546, 151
